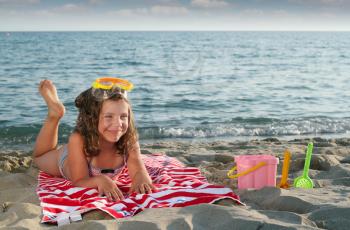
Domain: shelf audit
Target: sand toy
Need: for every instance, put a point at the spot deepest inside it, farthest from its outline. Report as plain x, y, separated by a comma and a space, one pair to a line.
255, 171
284, 179
304, 181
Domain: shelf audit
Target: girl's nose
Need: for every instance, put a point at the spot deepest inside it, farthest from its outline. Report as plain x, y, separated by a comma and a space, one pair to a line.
116, 122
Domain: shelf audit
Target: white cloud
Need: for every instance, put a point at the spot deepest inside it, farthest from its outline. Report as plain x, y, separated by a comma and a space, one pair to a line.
254, 12
156, 10
19, 1
280, 13
208, 3
129, 12
94, 2
168, 10
44, 13
332, 1
64, 9
69, 8
318, 2
8, 13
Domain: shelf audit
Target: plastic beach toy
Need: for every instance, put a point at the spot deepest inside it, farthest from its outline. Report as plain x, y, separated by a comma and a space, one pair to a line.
105, 87
304, 181
284, 179
231, 174
254, 171
112, 82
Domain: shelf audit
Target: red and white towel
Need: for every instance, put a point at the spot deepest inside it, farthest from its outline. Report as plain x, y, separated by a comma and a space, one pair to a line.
178, 186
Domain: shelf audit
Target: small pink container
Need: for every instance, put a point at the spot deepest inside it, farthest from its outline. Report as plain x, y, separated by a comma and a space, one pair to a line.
263, 174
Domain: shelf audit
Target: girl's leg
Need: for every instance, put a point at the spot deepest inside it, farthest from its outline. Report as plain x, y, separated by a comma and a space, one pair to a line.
45, 154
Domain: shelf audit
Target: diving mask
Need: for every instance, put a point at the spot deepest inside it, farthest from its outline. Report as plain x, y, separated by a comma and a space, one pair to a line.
105, 87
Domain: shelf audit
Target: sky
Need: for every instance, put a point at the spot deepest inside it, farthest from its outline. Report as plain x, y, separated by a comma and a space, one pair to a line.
169, 15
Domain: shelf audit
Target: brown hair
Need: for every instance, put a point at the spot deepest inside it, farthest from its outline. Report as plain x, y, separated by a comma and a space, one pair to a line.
87, 124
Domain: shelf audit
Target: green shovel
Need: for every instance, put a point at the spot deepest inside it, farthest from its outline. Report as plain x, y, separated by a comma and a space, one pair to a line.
304, 181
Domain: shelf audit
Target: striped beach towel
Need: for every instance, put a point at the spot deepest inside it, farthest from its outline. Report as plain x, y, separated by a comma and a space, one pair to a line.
177, 186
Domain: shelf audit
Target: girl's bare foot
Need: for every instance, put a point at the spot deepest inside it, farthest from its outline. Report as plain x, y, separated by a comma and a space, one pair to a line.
55, 107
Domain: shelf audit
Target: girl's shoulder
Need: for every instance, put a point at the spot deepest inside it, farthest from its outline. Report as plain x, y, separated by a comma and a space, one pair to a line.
76, 144
76, 137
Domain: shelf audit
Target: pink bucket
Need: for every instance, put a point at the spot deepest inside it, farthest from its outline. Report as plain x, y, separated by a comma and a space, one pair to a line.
255, 171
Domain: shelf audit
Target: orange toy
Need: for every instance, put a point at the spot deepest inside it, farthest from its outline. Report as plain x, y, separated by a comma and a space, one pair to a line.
284, 179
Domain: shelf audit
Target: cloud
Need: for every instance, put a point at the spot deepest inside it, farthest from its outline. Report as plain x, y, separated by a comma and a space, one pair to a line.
69, 8
16, 2
95, 2
168, 10
253, 12
318, 2
129, 12
281, 13
340, 7
208, 3
64, 9
44, 13
157, 10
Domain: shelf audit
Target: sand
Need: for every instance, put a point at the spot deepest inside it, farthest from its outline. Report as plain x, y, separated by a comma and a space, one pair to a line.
327, 206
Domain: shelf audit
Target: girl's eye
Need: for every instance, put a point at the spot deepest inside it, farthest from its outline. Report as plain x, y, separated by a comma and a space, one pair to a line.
124, 117
108, 116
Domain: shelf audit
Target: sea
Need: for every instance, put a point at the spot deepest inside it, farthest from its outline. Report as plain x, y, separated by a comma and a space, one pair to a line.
188, 86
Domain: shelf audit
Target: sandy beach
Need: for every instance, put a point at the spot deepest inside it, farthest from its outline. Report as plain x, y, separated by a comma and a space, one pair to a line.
326, 206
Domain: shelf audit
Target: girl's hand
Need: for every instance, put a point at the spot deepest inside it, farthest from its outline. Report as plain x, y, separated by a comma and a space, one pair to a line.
141, 183
107, 187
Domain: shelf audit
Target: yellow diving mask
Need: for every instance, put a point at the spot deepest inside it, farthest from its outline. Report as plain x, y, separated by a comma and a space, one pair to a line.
105, 87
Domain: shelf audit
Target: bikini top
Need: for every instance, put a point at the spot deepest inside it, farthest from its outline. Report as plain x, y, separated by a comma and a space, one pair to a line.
94, 171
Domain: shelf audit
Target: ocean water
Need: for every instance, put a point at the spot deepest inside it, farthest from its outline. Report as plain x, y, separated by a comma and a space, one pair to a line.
188, 85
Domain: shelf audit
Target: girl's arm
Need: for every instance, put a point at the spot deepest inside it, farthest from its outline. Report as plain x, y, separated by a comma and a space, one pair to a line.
79, 171
77, 162
140, 180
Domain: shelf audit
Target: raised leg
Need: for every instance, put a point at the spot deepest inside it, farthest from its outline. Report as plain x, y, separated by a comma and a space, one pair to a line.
45, 154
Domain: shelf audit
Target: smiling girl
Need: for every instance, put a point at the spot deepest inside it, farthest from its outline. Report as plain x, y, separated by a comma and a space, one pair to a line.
103, 142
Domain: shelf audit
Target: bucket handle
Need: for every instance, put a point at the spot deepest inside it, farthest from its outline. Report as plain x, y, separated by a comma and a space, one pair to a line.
231, 174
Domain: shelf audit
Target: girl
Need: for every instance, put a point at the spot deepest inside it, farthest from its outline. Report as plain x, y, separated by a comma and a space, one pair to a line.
103, 142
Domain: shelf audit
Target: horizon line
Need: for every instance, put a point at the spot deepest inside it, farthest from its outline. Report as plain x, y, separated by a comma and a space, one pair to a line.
15, 31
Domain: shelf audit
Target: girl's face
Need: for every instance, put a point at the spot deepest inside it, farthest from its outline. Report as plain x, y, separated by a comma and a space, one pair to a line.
113, 120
